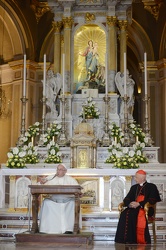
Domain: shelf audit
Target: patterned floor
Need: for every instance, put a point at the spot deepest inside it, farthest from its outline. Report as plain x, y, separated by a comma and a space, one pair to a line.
100, 245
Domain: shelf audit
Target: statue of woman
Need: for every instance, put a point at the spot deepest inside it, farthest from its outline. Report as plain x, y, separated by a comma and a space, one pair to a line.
91, 59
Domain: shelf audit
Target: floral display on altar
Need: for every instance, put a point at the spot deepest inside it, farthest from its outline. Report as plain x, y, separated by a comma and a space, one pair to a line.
89, 109
127, 157
51, 133
54, 156
27, 153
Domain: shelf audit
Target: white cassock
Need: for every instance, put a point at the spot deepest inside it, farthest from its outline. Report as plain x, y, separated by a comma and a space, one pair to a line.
57, 214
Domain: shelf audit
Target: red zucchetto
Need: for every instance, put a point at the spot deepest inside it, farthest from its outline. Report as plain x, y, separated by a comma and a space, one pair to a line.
141, 172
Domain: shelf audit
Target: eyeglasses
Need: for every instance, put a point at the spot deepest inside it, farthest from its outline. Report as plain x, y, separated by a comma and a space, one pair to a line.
60, 169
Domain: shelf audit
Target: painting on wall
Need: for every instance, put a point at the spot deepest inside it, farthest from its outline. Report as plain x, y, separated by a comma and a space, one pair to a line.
90, 190
89, 58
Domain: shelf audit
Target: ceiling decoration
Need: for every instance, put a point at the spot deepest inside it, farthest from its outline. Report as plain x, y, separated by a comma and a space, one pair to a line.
153, 6
39, 8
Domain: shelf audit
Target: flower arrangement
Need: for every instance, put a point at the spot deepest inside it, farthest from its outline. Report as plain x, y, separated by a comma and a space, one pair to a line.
54, 156
137, 131
28, 154
52, 131
89, 110
31, 132
16, 158
31, 156
124, 157
116, 132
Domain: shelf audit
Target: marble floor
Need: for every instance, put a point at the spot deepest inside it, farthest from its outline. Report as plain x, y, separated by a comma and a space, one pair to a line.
100, 245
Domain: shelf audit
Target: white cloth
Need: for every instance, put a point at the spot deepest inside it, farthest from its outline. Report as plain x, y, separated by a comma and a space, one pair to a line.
57, 213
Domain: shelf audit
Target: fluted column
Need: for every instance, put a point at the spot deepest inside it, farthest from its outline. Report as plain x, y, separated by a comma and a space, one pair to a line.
106, 192
67, 23
123, 42
57, 46
112, 52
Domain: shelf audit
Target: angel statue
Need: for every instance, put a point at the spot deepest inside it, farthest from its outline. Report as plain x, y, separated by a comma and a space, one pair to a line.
119, 81
53, 87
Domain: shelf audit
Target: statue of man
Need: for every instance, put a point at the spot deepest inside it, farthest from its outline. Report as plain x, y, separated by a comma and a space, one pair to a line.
119, 81
53, 86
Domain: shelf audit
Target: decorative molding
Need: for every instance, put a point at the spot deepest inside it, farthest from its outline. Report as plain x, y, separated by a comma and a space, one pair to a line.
39, 8
153, 6
89, 17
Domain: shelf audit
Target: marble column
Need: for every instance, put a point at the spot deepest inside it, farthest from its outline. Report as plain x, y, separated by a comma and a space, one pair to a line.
67, 24
123, 42
57, 46
112, 52
106, 193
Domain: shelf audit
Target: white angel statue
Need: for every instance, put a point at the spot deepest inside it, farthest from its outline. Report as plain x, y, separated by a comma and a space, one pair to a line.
119, 81
53, 86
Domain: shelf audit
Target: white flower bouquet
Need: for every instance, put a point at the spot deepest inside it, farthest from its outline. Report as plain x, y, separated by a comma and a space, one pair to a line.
137, 131
31, 156
54, 156
16, 158
89, 109
116, 132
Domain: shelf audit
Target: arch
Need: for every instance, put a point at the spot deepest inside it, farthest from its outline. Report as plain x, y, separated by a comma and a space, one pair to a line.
15, 33
139, 42
162, 49
48, 47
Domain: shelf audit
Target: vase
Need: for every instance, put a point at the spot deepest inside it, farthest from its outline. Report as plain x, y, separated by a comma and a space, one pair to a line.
89, 117
32, 140
115, 139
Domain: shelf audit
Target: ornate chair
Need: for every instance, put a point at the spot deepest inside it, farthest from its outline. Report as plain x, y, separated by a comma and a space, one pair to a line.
150, 219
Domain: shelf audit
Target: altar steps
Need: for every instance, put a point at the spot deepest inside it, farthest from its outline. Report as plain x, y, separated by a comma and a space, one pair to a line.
101, 225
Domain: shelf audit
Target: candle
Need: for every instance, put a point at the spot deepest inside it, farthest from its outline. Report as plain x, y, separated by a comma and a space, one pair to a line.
145, 72
63, 73
24, 78
44, 76
125, 74
106, 83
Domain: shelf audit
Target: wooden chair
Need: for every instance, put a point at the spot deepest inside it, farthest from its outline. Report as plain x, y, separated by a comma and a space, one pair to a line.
150, 219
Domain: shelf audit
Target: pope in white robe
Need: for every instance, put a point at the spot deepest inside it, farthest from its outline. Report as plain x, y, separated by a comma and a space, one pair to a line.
57, 212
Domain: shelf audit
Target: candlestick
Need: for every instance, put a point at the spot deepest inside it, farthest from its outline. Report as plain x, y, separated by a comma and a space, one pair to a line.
125, 74
106, 83
145, 71
44, 76
63, 73
24, 78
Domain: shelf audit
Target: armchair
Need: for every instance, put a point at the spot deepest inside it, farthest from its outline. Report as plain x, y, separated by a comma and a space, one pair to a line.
150, 219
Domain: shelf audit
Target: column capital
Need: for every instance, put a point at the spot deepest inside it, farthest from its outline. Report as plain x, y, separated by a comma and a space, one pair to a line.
128, 178
111, 20
57, 26
106, 178
12, 177
123, 24
67, 22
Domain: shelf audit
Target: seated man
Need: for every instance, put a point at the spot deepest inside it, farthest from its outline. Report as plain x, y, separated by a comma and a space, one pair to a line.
133, 227
57, 213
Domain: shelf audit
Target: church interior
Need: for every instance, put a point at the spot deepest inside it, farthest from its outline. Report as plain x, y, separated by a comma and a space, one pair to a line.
79, 80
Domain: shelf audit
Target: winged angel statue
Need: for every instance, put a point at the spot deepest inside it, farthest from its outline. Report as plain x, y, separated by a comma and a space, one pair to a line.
53, 87
119, 81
